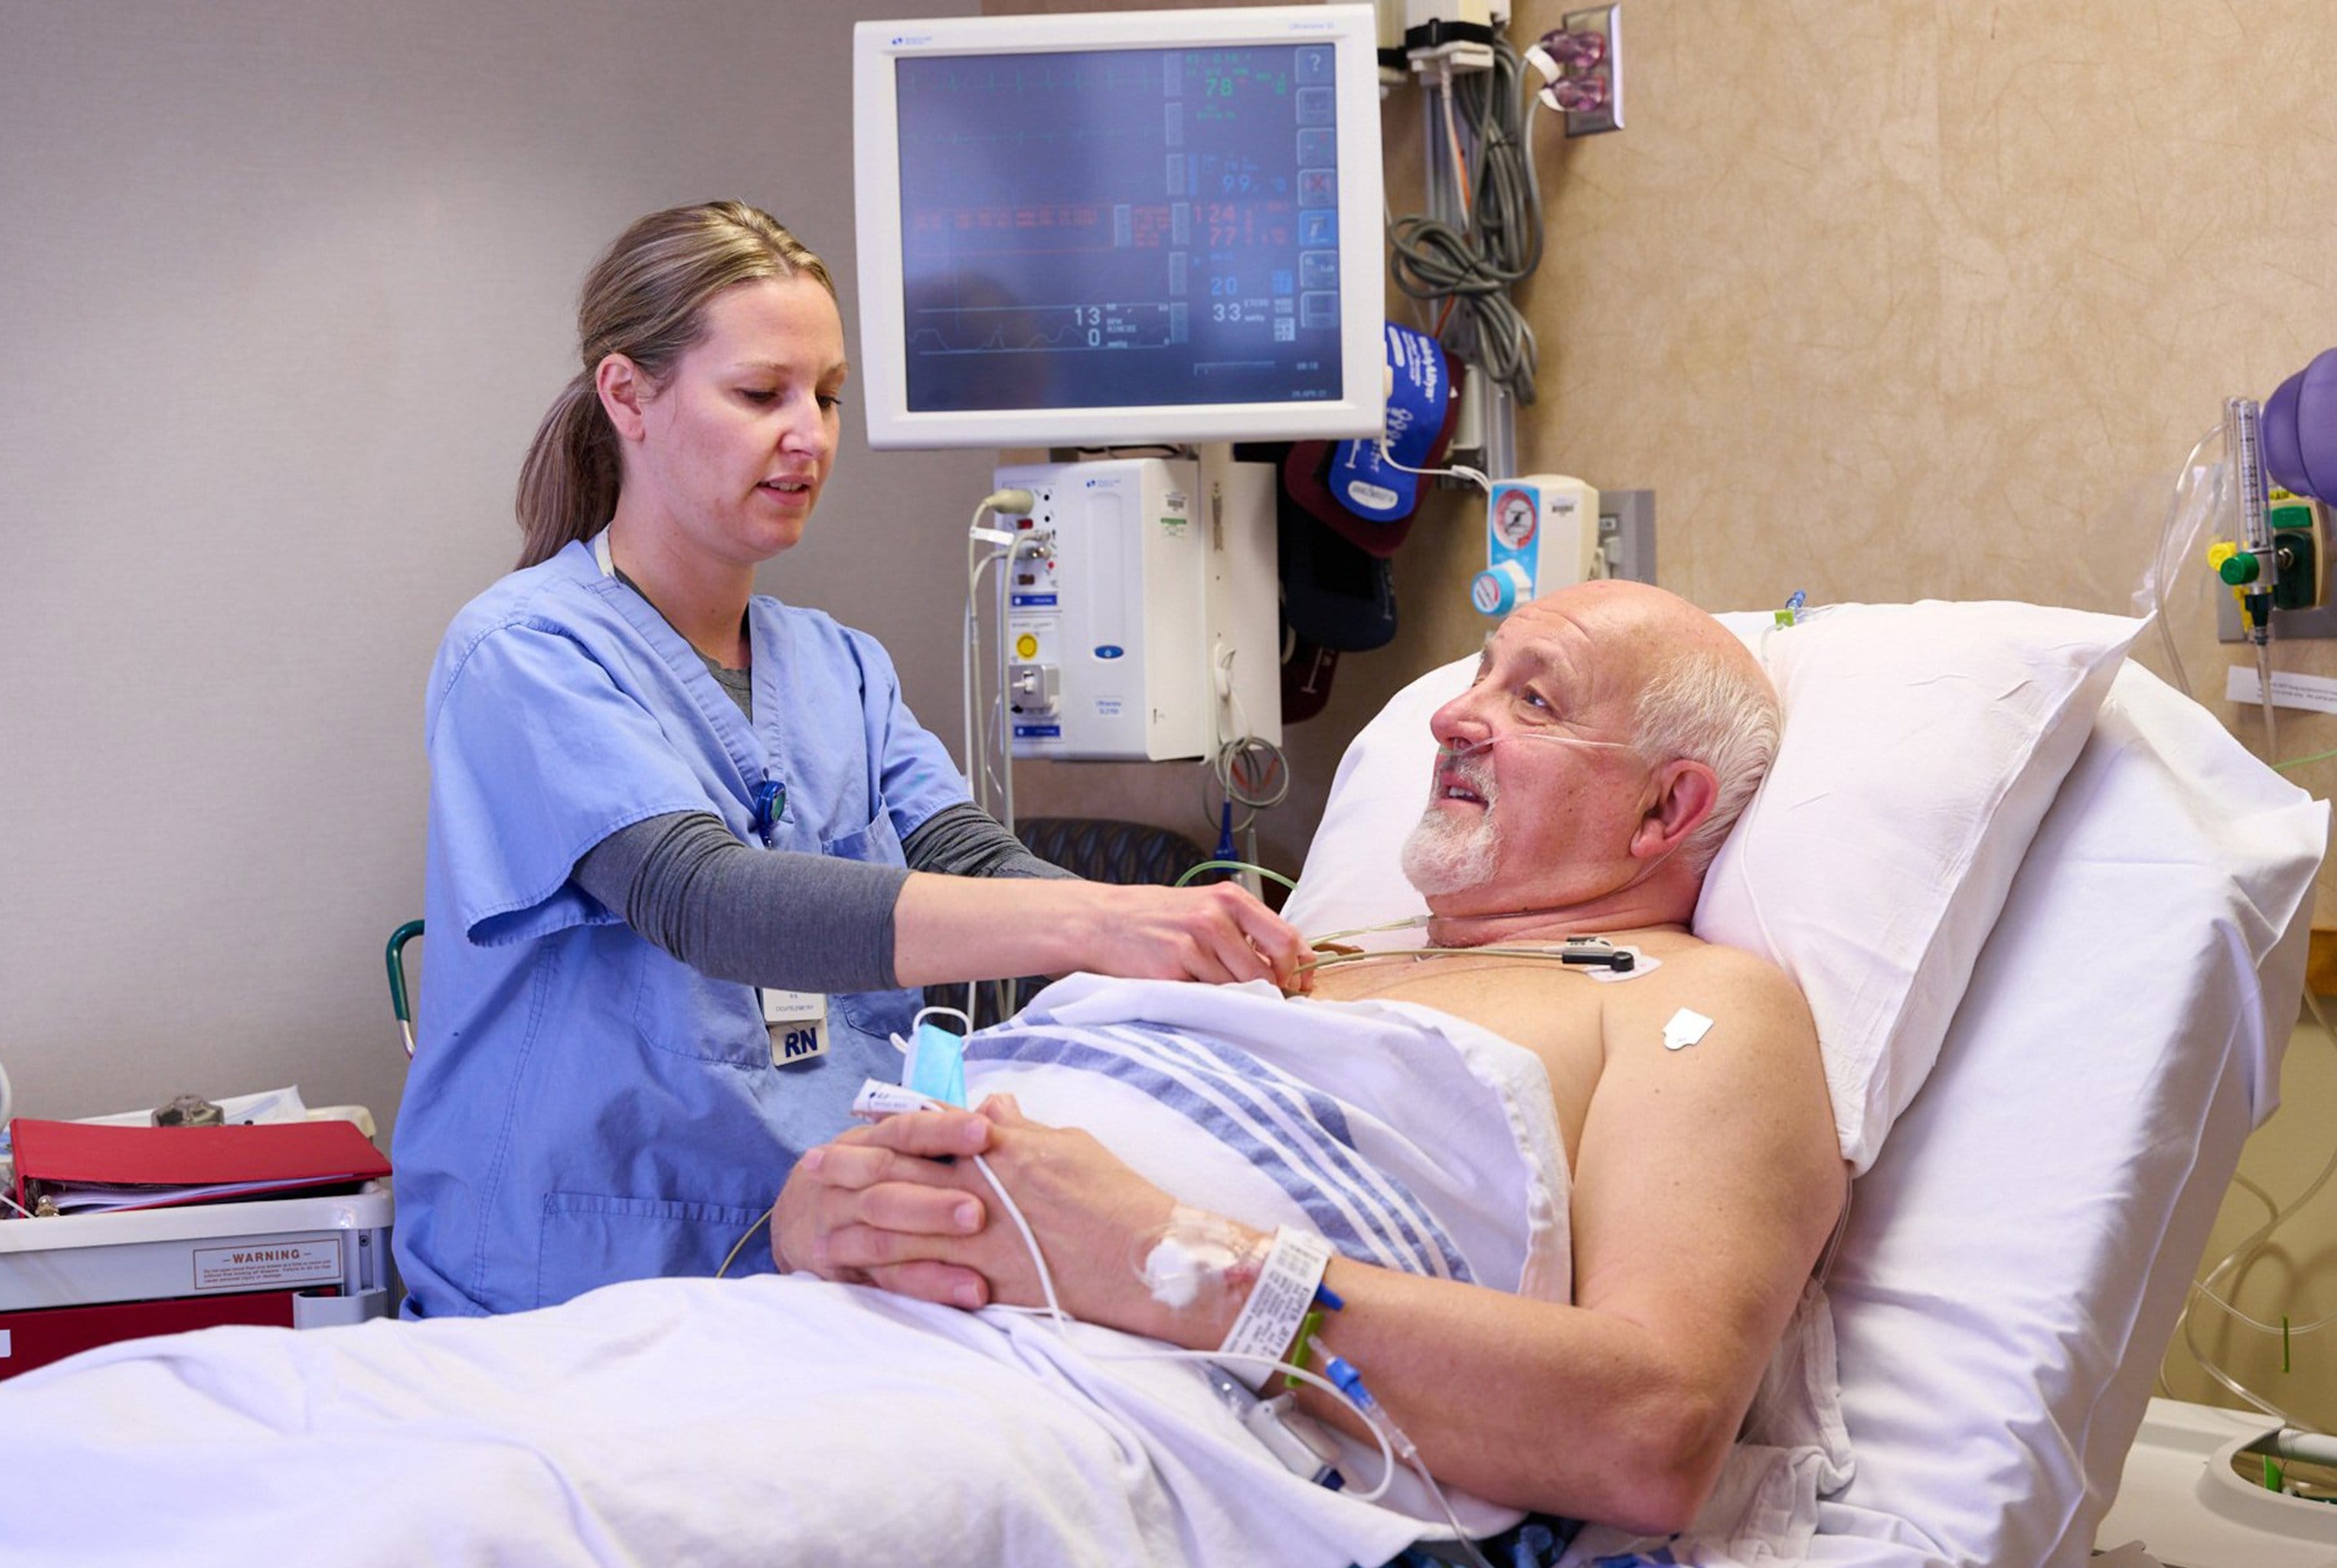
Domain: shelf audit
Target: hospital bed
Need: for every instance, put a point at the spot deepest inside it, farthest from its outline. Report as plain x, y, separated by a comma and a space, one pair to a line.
2051, 919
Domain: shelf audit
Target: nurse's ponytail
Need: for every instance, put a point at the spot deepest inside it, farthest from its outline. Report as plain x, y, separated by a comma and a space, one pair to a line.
568, 482
645, 299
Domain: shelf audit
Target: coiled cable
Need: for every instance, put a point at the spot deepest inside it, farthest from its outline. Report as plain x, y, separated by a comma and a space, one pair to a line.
1501, 243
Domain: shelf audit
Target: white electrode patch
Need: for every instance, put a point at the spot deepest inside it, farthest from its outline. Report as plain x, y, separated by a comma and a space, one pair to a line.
1684, 1029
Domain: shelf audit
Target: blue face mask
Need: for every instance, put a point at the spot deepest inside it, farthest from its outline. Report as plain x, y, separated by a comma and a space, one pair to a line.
935, 1064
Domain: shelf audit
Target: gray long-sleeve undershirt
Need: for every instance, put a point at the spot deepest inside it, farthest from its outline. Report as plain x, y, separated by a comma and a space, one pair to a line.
779, 918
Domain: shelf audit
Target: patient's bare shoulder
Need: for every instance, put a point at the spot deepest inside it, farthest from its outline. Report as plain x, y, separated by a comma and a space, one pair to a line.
1711, 1066
1762, 1007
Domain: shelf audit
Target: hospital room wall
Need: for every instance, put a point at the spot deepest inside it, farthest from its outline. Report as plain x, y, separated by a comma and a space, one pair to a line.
288, 285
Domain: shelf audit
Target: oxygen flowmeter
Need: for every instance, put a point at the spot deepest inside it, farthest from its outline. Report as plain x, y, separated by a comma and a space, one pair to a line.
1541, 534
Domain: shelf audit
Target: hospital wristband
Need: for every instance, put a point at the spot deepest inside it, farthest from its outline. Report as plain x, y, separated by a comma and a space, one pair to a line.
1277, 1305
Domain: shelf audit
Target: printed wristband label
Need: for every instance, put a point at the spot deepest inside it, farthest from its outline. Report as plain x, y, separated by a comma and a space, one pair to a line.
1278, 1303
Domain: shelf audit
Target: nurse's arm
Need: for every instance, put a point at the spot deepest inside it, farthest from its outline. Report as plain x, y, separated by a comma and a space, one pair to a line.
949, 929
817, 923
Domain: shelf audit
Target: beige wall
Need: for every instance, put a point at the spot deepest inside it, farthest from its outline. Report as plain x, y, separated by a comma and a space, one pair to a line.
285, 286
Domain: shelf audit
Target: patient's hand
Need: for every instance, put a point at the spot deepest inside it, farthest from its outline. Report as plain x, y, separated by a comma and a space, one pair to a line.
1087, 1209
869, 1207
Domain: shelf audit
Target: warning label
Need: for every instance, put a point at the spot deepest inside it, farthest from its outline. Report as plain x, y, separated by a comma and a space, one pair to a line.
288, 1261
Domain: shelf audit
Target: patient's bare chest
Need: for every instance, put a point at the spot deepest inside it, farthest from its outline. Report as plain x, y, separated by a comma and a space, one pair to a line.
1553, 1012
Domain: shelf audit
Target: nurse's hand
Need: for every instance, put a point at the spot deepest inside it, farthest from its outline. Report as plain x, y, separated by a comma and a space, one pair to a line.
1218, 933
951, 928
874, 1206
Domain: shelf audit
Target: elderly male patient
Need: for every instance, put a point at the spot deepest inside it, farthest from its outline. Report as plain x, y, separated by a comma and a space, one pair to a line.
1583, 782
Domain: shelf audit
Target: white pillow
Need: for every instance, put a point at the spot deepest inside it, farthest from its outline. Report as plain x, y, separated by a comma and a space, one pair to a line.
2016, 1259
1922, 744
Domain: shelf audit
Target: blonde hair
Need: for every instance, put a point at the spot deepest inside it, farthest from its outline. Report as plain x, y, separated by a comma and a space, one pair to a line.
645, 299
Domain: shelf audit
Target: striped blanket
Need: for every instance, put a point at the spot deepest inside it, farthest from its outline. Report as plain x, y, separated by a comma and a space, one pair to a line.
1407, 1137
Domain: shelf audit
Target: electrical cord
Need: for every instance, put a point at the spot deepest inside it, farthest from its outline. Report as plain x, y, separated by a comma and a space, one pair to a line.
1499, 242
1235, 866
1249, 772
1456, 471
993, 788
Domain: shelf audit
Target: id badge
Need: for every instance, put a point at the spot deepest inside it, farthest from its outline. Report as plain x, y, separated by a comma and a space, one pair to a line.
798, 1024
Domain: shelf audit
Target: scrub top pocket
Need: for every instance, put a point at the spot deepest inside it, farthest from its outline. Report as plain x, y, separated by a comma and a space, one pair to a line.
875, 843
587, 1240
677, 1010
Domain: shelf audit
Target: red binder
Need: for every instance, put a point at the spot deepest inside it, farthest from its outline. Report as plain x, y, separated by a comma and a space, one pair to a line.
83, 1168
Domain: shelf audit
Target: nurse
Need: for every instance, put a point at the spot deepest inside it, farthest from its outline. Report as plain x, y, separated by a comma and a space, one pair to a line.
689, 854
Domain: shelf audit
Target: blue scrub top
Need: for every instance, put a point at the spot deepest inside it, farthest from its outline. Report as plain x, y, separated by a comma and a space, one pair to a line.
583, 1107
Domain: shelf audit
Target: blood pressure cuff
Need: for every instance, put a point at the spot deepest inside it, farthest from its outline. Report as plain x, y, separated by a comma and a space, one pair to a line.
1348, 486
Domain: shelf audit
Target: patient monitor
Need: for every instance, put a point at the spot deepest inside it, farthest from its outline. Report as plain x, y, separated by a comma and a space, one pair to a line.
1158, 231
1152, 226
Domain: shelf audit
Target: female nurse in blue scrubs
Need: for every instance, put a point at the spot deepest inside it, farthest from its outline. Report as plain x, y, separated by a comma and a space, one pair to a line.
689, 854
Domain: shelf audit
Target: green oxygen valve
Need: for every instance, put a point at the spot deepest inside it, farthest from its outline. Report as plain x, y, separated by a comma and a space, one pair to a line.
2239, 568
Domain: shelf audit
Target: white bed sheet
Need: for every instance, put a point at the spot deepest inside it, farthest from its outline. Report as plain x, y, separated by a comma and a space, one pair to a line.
650, 1423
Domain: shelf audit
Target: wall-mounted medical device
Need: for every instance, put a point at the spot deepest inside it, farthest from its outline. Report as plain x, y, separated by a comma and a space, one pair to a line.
1141, 613
1149, 227
2281, 463
1541, 534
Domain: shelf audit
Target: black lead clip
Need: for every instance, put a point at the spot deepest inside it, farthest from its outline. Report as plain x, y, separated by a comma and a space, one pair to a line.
1599, 952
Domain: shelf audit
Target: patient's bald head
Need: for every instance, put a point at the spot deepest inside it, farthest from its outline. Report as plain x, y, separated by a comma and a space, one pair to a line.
1612, 735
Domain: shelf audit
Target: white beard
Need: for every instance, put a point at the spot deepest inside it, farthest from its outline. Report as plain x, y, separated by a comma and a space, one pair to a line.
1447, 854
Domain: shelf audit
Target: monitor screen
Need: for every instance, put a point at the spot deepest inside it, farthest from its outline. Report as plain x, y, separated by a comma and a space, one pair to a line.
1120, 228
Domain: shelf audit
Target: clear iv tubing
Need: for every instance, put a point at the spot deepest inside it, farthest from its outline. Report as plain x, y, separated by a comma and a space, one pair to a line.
2237, 1260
